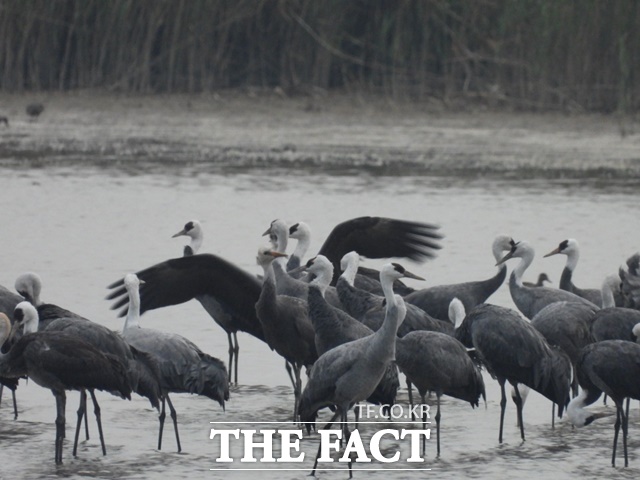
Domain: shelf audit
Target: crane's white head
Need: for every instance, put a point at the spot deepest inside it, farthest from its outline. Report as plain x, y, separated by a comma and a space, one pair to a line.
266, 255
131, 282
26, 315
29, 286
566, 247
456, 312
501, 244
580, 416
396, 271
278, 233
299, 231
518, 250
192, 229
351, 258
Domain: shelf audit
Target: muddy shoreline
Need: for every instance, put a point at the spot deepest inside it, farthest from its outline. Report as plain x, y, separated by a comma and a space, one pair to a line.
329, 132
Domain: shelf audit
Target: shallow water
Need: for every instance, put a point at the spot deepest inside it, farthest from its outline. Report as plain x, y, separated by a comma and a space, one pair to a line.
83, 226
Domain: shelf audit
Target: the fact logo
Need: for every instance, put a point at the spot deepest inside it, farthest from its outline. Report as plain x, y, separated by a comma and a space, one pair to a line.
373, 441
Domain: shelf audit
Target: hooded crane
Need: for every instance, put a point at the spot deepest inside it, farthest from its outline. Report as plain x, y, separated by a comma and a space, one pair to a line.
60, 362
612, 367
435, 300
380, 237
349, 373
182, 366
141, 369
10, 383
227, 293
232, 293
286, 325
334, 326
514, 351
368, 307
571, 249
193, 230
530, 300
611, 322
630, 282
437, 362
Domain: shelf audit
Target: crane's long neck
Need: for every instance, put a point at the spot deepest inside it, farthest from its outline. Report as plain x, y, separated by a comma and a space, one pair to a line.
322, 280
196, 243
394, 315
31, 321
350, 272
578, 415
572, 260
525, 261
302, 247
608, 299
133, 313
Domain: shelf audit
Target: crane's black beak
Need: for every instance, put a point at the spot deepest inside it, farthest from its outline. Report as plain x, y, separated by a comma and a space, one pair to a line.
408, 274
506, 257
180, 233
555, 251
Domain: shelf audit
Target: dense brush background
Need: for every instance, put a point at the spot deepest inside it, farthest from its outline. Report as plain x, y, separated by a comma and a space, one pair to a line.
574, 55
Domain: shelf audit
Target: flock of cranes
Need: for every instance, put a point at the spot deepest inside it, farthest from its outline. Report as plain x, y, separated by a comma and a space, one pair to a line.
353, 330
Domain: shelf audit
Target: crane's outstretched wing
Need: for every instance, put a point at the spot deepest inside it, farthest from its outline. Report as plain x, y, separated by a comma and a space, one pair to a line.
179, 280
380, 237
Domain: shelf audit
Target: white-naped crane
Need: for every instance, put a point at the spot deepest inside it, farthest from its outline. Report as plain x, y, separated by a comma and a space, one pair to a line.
436, 300
231, 293
60, 362
513, 350
286, 324
182, 366
349, 373
612, 367
530, 300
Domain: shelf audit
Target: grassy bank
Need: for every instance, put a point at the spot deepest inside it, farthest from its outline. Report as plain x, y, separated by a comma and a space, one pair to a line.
571, 55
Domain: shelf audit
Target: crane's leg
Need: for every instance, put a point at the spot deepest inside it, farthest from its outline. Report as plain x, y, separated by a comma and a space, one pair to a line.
236, 351
625, 427
437, 426
575, 386
410, 392
15, 404
346, 436
297, 391
289, 370
231, 355
615, 434
97, 412
503, 406
424, 424
161, 418
60, 420
174, 417
331, 421
518, 402
81, 414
